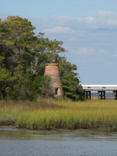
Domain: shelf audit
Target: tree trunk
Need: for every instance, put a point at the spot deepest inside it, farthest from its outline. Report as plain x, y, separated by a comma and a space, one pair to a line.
19, 53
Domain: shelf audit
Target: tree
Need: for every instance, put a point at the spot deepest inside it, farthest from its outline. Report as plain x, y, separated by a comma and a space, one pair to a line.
21, 73
70, 80
17, 34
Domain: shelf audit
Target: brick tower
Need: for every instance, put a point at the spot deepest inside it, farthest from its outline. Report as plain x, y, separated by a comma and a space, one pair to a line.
52, 70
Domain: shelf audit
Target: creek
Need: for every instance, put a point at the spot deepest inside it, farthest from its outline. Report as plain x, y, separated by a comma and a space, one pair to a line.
23, 142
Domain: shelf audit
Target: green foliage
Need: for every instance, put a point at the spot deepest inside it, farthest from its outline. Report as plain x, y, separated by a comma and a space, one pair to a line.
70, 80
22, 62
25, 87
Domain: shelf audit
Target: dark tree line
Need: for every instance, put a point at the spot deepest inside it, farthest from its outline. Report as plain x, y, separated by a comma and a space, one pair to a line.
22, 61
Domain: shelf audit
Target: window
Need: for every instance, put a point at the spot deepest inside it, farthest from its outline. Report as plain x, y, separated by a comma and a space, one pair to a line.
56, 91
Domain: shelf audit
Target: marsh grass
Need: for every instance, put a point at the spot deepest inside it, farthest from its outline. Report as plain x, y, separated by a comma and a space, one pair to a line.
92, 114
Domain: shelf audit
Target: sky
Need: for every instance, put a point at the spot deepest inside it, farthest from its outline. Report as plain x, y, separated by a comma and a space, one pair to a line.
88, 29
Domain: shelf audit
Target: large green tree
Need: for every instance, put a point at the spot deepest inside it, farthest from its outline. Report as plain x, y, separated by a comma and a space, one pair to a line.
17, 34
17, 53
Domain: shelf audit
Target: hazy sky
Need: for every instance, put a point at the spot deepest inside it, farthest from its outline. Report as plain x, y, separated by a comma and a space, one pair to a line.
88, 29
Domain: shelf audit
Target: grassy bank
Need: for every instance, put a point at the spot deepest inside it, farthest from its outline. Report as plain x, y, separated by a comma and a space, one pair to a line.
94, 114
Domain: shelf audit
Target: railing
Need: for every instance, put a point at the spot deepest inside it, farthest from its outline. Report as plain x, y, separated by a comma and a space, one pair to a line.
99, 86
101, 90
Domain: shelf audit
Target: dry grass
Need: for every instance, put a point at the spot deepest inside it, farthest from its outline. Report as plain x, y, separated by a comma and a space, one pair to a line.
94, 97
91, 114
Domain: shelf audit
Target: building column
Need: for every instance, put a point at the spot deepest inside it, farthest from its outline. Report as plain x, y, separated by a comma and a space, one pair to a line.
101, 95
114, 95
88, 94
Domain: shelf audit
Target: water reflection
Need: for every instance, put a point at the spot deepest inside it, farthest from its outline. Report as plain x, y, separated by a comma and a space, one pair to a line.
25, 142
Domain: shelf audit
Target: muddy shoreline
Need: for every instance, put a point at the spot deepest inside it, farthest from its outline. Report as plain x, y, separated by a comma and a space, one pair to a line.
7, 122
12, 123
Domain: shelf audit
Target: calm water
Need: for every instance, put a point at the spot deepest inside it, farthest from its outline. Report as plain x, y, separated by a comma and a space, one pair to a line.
22, 142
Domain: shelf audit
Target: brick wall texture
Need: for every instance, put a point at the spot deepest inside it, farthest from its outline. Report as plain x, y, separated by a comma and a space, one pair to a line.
52, 70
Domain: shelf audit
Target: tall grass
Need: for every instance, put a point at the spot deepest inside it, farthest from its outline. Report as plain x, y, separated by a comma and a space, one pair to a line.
93, 114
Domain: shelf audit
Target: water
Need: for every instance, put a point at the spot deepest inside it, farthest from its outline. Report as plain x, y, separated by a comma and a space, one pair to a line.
23, 142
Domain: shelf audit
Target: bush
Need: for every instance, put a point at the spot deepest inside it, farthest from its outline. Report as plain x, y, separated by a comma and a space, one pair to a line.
27, 87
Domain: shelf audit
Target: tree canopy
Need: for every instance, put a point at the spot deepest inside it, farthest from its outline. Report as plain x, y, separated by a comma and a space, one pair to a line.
22, 62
